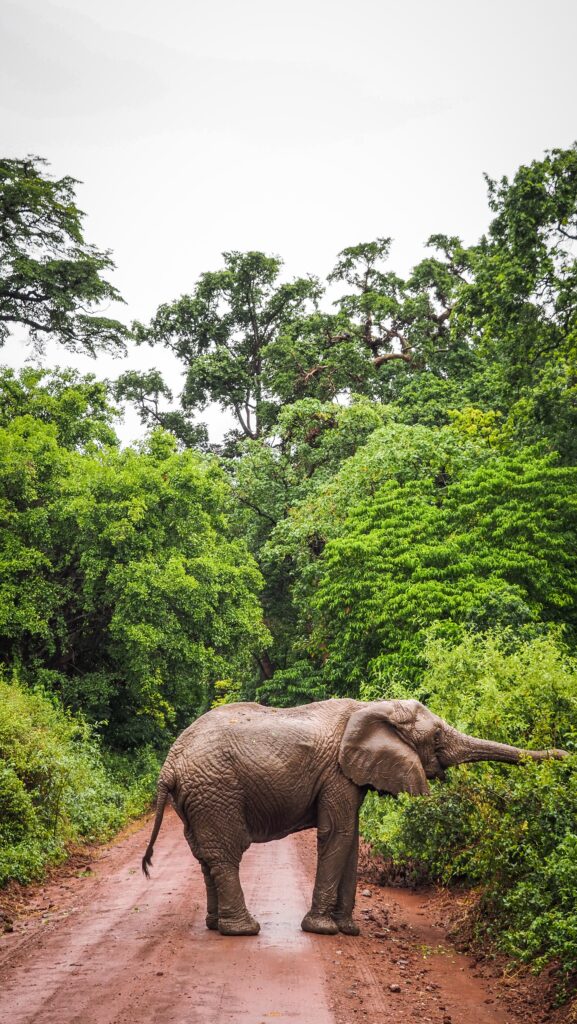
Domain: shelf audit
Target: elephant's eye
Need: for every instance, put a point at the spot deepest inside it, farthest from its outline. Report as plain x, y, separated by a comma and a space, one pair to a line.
438, 735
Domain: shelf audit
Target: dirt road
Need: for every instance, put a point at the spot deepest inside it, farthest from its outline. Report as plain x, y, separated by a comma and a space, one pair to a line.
108, 947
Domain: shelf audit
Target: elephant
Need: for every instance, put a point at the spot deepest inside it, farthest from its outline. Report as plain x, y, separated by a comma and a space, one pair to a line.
244, 773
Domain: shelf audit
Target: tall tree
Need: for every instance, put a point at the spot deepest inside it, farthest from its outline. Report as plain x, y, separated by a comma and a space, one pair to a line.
51, 280
221, 330
147, 390
386, 329
520, 307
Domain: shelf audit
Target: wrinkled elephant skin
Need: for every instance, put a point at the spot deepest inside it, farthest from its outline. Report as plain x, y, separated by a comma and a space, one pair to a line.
244, 774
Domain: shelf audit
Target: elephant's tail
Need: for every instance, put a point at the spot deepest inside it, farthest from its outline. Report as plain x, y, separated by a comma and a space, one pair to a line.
162, 792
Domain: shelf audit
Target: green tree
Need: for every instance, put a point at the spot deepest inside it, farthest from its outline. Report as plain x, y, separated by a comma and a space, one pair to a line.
122, 589
520, 307
494, 546
146, 390
50, 277
350, 456
387, 330
399, 320
221, 332
78, 406
422, 526
312, 440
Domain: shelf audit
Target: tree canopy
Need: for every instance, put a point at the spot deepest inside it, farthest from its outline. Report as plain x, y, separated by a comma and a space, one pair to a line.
123, 590
51, 282
221, 332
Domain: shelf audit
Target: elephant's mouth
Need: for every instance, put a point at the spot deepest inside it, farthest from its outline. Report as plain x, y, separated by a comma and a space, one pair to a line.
381, 792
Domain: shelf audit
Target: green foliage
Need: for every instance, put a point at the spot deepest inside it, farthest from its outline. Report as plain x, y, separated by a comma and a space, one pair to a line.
226, 691
317, 356
509, 830
298, 683
146, 389
543, 910
121, 588
56, 787
314, 439
520, 693
386, 335
79, 407
490, 546
521, 302
401, 321
221, 332
315, 552
50, 278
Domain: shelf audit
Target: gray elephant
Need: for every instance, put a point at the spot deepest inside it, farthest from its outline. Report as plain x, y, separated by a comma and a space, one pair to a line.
244, 774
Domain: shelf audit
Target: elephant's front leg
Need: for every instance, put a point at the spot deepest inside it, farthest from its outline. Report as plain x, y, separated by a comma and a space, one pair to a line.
348, 890
336, 840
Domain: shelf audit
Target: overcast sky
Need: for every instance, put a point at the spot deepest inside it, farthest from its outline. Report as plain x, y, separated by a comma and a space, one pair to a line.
296, 128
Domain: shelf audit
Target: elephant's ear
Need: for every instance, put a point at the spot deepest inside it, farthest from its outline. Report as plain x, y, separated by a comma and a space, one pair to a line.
373, 754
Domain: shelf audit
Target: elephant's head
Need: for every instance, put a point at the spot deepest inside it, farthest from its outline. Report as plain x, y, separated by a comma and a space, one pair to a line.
396, 745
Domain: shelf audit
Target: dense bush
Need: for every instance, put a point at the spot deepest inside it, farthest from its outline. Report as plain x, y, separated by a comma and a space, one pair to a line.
56, 786
424, 525
510, 830
121, 587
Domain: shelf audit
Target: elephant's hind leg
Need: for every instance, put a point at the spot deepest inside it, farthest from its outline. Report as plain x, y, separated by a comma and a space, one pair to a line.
233, 917
219, 850
211, 898
210, 886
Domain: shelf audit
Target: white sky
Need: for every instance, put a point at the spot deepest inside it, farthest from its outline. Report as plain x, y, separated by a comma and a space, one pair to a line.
297, 129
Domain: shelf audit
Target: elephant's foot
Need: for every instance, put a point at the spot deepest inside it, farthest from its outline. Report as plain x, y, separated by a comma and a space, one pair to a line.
322, 924
245, 925
212, 922
347, 926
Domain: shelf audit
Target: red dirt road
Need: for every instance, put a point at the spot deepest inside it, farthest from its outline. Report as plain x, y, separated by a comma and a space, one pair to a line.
110, 947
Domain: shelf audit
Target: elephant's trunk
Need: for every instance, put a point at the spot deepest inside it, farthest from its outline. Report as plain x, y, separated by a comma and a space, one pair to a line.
469, 748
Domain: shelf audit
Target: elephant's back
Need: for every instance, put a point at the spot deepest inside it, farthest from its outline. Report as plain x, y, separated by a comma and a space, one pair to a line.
250, 715
257, 744
243, 726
